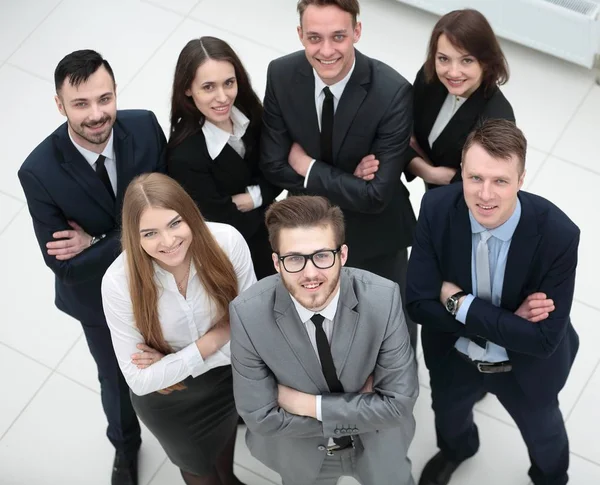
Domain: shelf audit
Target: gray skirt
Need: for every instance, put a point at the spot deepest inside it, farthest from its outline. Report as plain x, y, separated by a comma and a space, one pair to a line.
192, 425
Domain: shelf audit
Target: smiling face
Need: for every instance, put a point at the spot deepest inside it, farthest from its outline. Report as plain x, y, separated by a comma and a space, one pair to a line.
314, 288
165, 237
90, 108
328, 37
490, 186
459, 71
214, 90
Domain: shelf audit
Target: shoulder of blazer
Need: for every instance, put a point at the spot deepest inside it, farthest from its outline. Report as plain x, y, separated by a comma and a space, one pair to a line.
438, 203
379, 73
192, 150
134, 121
47, 151
498, 107
288, 64
551, 221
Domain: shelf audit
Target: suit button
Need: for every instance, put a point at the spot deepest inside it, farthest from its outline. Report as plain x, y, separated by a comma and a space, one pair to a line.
321, 448
336, 431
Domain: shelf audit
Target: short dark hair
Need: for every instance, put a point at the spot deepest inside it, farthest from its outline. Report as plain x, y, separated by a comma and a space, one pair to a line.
78, 66
501, 139
470, 31
304, 211
350, 6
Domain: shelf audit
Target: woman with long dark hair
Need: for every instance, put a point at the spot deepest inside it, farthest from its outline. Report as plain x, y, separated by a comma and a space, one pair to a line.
454, 91
166, 300
213, 146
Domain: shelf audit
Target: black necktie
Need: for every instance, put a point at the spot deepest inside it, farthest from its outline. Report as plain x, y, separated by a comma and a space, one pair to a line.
327, 127
328, 368
103, 174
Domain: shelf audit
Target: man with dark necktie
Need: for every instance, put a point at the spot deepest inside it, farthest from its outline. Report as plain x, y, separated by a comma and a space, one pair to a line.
337, 124
74, 183
323, 371
491, 279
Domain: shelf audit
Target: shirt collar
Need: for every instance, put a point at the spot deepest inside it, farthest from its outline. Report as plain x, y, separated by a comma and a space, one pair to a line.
336, 89
92, 157
505, 231
165, 276
217, 138
328, 312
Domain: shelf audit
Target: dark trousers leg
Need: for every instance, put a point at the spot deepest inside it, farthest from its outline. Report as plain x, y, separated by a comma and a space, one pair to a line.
123, 426
542, 428
393, 267
455, 387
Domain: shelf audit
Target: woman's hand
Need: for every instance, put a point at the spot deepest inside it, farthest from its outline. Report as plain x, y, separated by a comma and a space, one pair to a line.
440, 175
212, 341
243, 202
146, 357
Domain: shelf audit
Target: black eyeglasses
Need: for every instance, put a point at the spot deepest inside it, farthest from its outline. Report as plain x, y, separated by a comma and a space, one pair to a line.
294, 263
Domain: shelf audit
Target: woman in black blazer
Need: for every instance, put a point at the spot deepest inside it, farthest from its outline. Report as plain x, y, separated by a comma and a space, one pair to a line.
213, 147
454, 91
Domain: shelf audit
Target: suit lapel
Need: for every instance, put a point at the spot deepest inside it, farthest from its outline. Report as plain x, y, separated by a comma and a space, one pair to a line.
350, 102
123, 144
293, 330
429, 107
302, 100
522, 250
460, 123
344, 325
457, 255
82, 172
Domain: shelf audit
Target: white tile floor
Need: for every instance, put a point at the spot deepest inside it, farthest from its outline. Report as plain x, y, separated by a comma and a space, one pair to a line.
51, 422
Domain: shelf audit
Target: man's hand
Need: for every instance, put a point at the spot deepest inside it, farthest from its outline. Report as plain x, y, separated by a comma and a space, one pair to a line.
448, 289
296, 402
299, 160
71, 244
368, 387
366, 168
243, 202
146, 357
536, 307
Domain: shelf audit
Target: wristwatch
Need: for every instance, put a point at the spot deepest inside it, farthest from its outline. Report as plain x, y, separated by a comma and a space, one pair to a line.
96, 239
452, 302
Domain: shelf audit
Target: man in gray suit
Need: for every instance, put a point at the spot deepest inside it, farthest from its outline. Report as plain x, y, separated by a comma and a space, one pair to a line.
323, 371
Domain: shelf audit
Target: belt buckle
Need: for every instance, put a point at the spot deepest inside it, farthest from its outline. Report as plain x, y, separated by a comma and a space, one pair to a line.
335, 447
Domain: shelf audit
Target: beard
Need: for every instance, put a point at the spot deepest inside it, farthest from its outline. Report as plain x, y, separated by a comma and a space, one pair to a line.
95, 138
318, 300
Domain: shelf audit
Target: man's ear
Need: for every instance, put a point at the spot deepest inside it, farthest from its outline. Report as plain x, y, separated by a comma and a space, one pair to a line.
60, 105
276, 262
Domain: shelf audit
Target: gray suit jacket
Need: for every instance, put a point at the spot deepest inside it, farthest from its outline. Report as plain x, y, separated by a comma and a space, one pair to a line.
269, 345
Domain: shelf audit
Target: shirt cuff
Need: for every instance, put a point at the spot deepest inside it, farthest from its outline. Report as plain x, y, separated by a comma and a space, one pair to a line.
461, 315
192, 357
308, 172
255, 194
318, 413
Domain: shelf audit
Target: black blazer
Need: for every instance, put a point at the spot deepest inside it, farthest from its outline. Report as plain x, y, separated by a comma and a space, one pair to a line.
542, 257
447, 148
60, 185
373, 116
211, 183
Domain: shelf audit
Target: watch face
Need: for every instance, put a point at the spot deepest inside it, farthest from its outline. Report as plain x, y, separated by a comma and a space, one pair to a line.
450, 304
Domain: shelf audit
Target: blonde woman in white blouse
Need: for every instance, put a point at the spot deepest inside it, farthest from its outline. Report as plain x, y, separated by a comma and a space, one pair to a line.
166, 300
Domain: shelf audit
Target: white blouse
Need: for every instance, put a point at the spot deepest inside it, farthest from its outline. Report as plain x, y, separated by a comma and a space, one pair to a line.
451, 105
183, 320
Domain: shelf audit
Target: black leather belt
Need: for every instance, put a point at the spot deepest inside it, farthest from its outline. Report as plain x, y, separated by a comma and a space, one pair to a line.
488, 367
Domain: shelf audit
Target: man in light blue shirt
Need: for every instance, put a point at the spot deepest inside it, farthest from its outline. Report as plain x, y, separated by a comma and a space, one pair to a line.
491, 280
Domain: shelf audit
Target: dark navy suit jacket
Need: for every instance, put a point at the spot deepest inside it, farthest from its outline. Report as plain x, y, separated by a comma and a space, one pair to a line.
60, 185
542, 257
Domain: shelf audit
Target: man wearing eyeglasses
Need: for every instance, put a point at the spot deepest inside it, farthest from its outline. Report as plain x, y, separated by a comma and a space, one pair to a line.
323, 370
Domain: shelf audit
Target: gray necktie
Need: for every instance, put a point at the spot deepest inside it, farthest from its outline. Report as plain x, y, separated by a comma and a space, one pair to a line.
482, 266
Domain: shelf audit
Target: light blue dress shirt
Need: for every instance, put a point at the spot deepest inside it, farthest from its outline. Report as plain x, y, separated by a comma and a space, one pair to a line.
498, 246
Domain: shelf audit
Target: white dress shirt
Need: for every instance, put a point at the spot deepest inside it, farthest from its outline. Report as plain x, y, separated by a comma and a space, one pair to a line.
305, 317
109, 154
183, 320
337, 90
216, 139
451, 105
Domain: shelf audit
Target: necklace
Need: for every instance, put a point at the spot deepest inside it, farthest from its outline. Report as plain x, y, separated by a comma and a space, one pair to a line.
184, 279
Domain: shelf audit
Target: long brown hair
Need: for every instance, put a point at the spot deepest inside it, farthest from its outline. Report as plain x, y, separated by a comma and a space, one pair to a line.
469, 30
186, 118
215, 270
